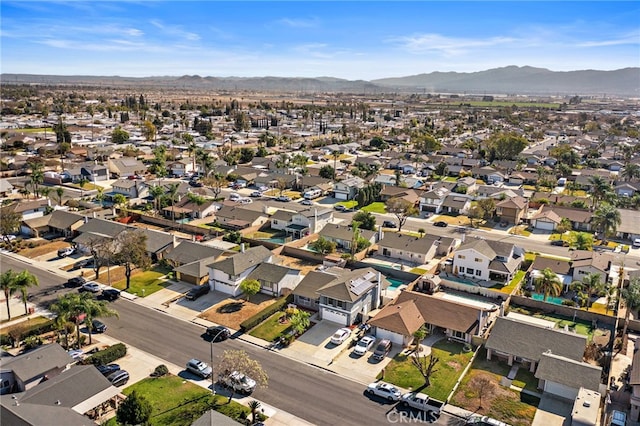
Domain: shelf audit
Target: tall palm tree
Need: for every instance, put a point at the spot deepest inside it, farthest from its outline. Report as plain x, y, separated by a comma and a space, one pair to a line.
606, 219
335, 155
63, 310
37, 176
23, 281
631, 171
590, 285
548, 284
100, 195
82, 182
630, 295
8, 285
157, 191
96, 309
610, 292
172, 191
599, 187
59, 194
44, 191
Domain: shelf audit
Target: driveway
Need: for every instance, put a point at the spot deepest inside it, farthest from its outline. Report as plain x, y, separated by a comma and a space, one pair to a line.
363, 369
314, 346
553, 412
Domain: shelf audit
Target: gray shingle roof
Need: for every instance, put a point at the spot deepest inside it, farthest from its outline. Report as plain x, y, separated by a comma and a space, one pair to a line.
342, 232
37, 361
197, 268
568, 372
157, 240
240, 262
270, 272
61, 219
189, 251
310, 284
26, 414
103, 227
408, 242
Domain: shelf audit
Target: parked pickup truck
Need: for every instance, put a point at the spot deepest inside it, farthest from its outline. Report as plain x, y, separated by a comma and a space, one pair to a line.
238, 382
421, 401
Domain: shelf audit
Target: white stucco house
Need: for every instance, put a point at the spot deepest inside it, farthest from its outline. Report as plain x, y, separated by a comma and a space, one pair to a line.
227, 274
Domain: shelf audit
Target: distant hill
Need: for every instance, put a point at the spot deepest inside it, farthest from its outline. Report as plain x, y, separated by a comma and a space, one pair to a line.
506, 80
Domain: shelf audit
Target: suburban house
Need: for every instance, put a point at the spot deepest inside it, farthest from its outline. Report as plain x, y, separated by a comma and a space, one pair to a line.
561, 268
586, 262
30, 209
398, 320
467, 182
342, 235
158, 243
627, 189
629, 227
634, 382
274, 278
348, 188
555, 356
301, 223
26, 371
389, 192
196, 272
94, 231
306, 182
6, 188
431, 201
227, 274
130, 188
195, 210
512, 210
125, 167
59, 222
580, 219
456, 204
487, 260
95, 172
237, 217
414, 249
182, 167
341, 295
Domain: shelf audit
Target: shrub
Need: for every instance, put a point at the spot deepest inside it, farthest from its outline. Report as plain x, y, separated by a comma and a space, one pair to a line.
108, 355
160, 371
32, 342
22, 332
569, 303
257, 318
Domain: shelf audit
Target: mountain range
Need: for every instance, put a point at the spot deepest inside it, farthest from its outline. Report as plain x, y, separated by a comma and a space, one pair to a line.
505, 80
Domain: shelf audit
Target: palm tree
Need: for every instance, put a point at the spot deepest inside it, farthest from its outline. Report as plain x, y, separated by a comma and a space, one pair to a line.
590, 285
607, 219
548, 284
610, 294
96, 309
335, 155
630, 295
254, 406
44, 191
100, 195
82, 182
23, 281
8, 285
157, 191
172, 191
599, 187
120, 201
63, 310
582, 241
631, 171
59, 194
37, 176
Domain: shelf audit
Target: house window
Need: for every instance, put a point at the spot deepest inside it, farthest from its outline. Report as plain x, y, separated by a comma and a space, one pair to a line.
459, 335
460, 256
470, 271
478, 260
478, 272
275, 221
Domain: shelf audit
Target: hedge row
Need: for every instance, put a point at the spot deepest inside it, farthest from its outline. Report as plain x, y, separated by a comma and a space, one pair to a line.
257, 318
19, 333
108, 355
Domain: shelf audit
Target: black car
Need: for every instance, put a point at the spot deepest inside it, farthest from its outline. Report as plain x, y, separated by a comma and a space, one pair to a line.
389, 224
118, 378
441, 224
197, 291
108, 369
110, 294
218, 333
560, 243
98, 326
196, 183
75, 282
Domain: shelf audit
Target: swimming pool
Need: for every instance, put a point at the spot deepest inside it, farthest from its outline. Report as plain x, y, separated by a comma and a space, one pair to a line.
455, 279
395, 283
550, 299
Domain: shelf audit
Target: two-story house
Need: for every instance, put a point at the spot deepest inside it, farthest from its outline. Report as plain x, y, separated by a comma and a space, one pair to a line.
431, 201
130, 188
302, 223
274, 278
456, 204
414, 249
512, 210
487, 260
341, 295
227, 274
183, 167
584, 262
348, 188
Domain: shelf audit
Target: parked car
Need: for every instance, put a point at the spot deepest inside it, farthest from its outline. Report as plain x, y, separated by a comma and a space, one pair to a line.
199, 368
75, 282
197, 291
363, 345
636, 243
263, 188
341, 208
441, 224
67, 251
384, 390
98, 326
389, 224
218, 333
118, 378
284, 198
256, 194
108, 369
245, 201
76, 354
84, 263
560, 243
196, 183
306, 202
91, 287
422, 402
237, 381
383, 348
340, 336
110, 294
484, 421
618, 418
234, 196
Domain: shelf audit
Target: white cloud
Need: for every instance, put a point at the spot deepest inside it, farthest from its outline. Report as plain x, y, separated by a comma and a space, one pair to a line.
448, 46
174, 30
299, 22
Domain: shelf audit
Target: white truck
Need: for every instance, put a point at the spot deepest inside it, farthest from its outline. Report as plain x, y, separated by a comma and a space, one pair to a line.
237, 382
422, 402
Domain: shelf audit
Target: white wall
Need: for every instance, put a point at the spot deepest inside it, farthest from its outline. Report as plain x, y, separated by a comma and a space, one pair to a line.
468, 260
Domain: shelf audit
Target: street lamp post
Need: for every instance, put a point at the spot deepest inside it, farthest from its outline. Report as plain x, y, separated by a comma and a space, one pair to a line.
213, 339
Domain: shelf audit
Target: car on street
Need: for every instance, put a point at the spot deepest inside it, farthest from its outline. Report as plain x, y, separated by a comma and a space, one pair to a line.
389, 224
84, 263
218, 333
256, 194
422, 402
441, 224
110, 294
306, 202
283, 198
636, 243
560, 243
340, 336
197, 291
341, 208
98, 326
108, 369
237, 381
118, 378
66, 251
234, 196
199, 368
91, 287
263, 188
382, 349
75, 282
484, 421
363, 345
196, 183
384, 390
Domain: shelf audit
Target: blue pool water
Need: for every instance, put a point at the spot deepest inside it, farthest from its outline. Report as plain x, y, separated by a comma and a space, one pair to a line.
550, 299
460, 280
395, 283
277, 240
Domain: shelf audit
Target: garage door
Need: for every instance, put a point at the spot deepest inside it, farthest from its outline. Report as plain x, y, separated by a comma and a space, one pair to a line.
340, 196
560, 390
334, 316
386, 334
547, 226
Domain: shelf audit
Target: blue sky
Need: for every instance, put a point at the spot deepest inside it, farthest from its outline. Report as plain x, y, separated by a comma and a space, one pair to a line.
352, 40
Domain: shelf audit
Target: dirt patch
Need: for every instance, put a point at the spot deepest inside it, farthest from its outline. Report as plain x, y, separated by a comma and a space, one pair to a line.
227, 313
116, 274
303, 265
456, 366
44, 248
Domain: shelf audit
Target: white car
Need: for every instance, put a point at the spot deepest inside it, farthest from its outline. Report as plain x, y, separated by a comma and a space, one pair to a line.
364, 345
91, 287
384, 390
340, 336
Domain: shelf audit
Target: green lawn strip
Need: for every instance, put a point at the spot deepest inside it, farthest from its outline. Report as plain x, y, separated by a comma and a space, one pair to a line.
420, 271
513, 283
377, 207
526, 380
348, 204
580, 327
175, 401
35, 130
401, 372
149, 281
270, 329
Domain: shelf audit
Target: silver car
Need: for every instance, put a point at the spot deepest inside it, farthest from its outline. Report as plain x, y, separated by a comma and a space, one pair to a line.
364, 345
199, 368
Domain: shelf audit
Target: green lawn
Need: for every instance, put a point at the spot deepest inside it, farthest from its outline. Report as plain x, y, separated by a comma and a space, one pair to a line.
270, 329
35, 130
526, 378
377, 207
149, 281
348, 204
513, 283
580, 327
401, 372
176, 401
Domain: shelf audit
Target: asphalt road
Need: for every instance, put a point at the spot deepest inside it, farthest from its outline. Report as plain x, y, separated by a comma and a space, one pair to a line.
313, 394
50, 284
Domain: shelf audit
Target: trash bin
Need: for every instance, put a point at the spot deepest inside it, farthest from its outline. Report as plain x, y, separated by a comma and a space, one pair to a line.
31, 309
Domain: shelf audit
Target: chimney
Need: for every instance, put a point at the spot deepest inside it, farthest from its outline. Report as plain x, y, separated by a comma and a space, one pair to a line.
378, 291
380, 233
241, 247
86, 219
175, 241
95, 215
